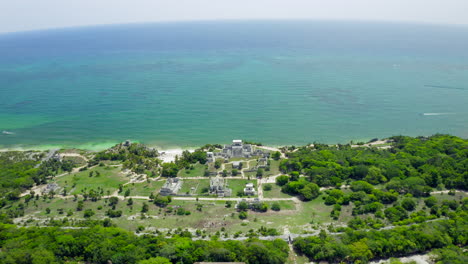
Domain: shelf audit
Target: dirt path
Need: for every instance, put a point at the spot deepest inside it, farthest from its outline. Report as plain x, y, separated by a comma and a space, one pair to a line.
259, 188
447, 191
272, 149
73, 155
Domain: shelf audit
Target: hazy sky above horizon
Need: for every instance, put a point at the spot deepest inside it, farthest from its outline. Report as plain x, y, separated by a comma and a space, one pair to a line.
19, 15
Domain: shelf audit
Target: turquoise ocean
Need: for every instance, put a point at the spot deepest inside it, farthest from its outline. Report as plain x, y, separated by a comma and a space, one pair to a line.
187, 84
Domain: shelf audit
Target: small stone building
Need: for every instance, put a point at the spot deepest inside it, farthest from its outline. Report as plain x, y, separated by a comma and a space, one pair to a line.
236, 165
210, 157
250, 189
262, 163
218, 186
171, 187
237, 150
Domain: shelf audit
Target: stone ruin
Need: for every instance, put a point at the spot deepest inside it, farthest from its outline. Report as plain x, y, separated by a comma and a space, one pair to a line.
262, 162
236, 150
210, 157
171, 187
250, 189
218, 186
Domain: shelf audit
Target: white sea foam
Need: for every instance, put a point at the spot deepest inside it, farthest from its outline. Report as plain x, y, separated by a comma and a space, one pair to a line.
436, 114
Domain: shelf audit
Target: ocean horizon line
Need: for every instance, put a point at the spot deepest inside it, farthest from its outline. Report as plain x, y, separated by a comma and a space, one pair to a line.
209, 21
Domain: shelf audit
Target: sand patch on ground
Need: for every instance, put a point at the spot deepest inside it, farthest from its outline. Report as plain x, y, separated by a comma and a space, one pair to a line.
169, 155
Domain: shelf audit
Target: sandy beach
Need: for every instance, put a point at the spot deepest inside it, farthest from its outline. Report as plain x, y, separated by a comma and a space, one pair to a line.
169, 155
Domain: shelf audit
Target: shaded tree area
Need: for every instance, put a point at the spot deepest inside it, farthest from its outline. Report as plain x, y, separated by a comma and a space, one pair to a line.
184, 161
114, 245
362, 246
412, 165
136, 157
18, 172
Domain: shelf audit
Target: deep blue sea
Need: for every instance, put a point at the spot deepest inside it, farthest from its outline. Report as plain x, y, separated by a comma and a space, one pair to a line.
187, 84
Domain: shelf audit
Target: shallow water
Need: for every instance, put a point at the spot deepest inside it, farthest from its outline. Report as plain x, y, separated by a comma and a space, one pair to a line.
187, 84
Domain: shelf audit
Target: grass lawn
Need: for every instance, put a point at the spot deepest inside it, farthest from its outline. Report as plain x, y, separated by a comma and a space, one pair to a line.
284, 205
251, 175
275, 192
312, 211
145, 189
109, 179
274, 168
252, 164
239, 185
445, 196
198, 171
78, 161
212, 217
197, 184
228, 167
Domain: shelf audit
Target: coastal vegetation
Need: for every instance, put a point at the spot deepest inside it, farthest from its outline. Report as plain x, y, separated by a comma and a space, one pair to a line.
110, 244
337, 203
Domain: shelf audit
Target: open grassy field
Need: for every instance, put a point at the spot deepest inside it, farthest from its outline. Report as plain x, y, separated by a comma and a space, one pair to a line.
199, 185
145, 188
213, 215
78, 161
109, 179
274, 168
238, 185
197, 171
284, 205
275, 192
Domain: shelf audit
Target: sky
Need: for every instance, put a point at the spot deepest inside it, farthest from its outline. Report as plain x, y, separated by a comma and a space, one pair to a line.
20, 15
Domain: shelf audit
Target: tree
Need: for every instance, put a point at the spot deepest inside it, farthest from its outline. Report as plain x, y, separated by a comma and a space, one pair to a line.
282, 180
375, 176
243, 215
217, 164
362, 186
114, 213
43, 256
450, 255
243, 206
162, 201
276, 155
127, 193
156, 260
144, 208
275, 206
259, 172
430, 201
169, 170
360, 251
261, 207
310, 191
180, 211
294, 175
88, 213
130, 202
408, 204
395, 213
267, 187
113, 201
79, 207
234, 172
